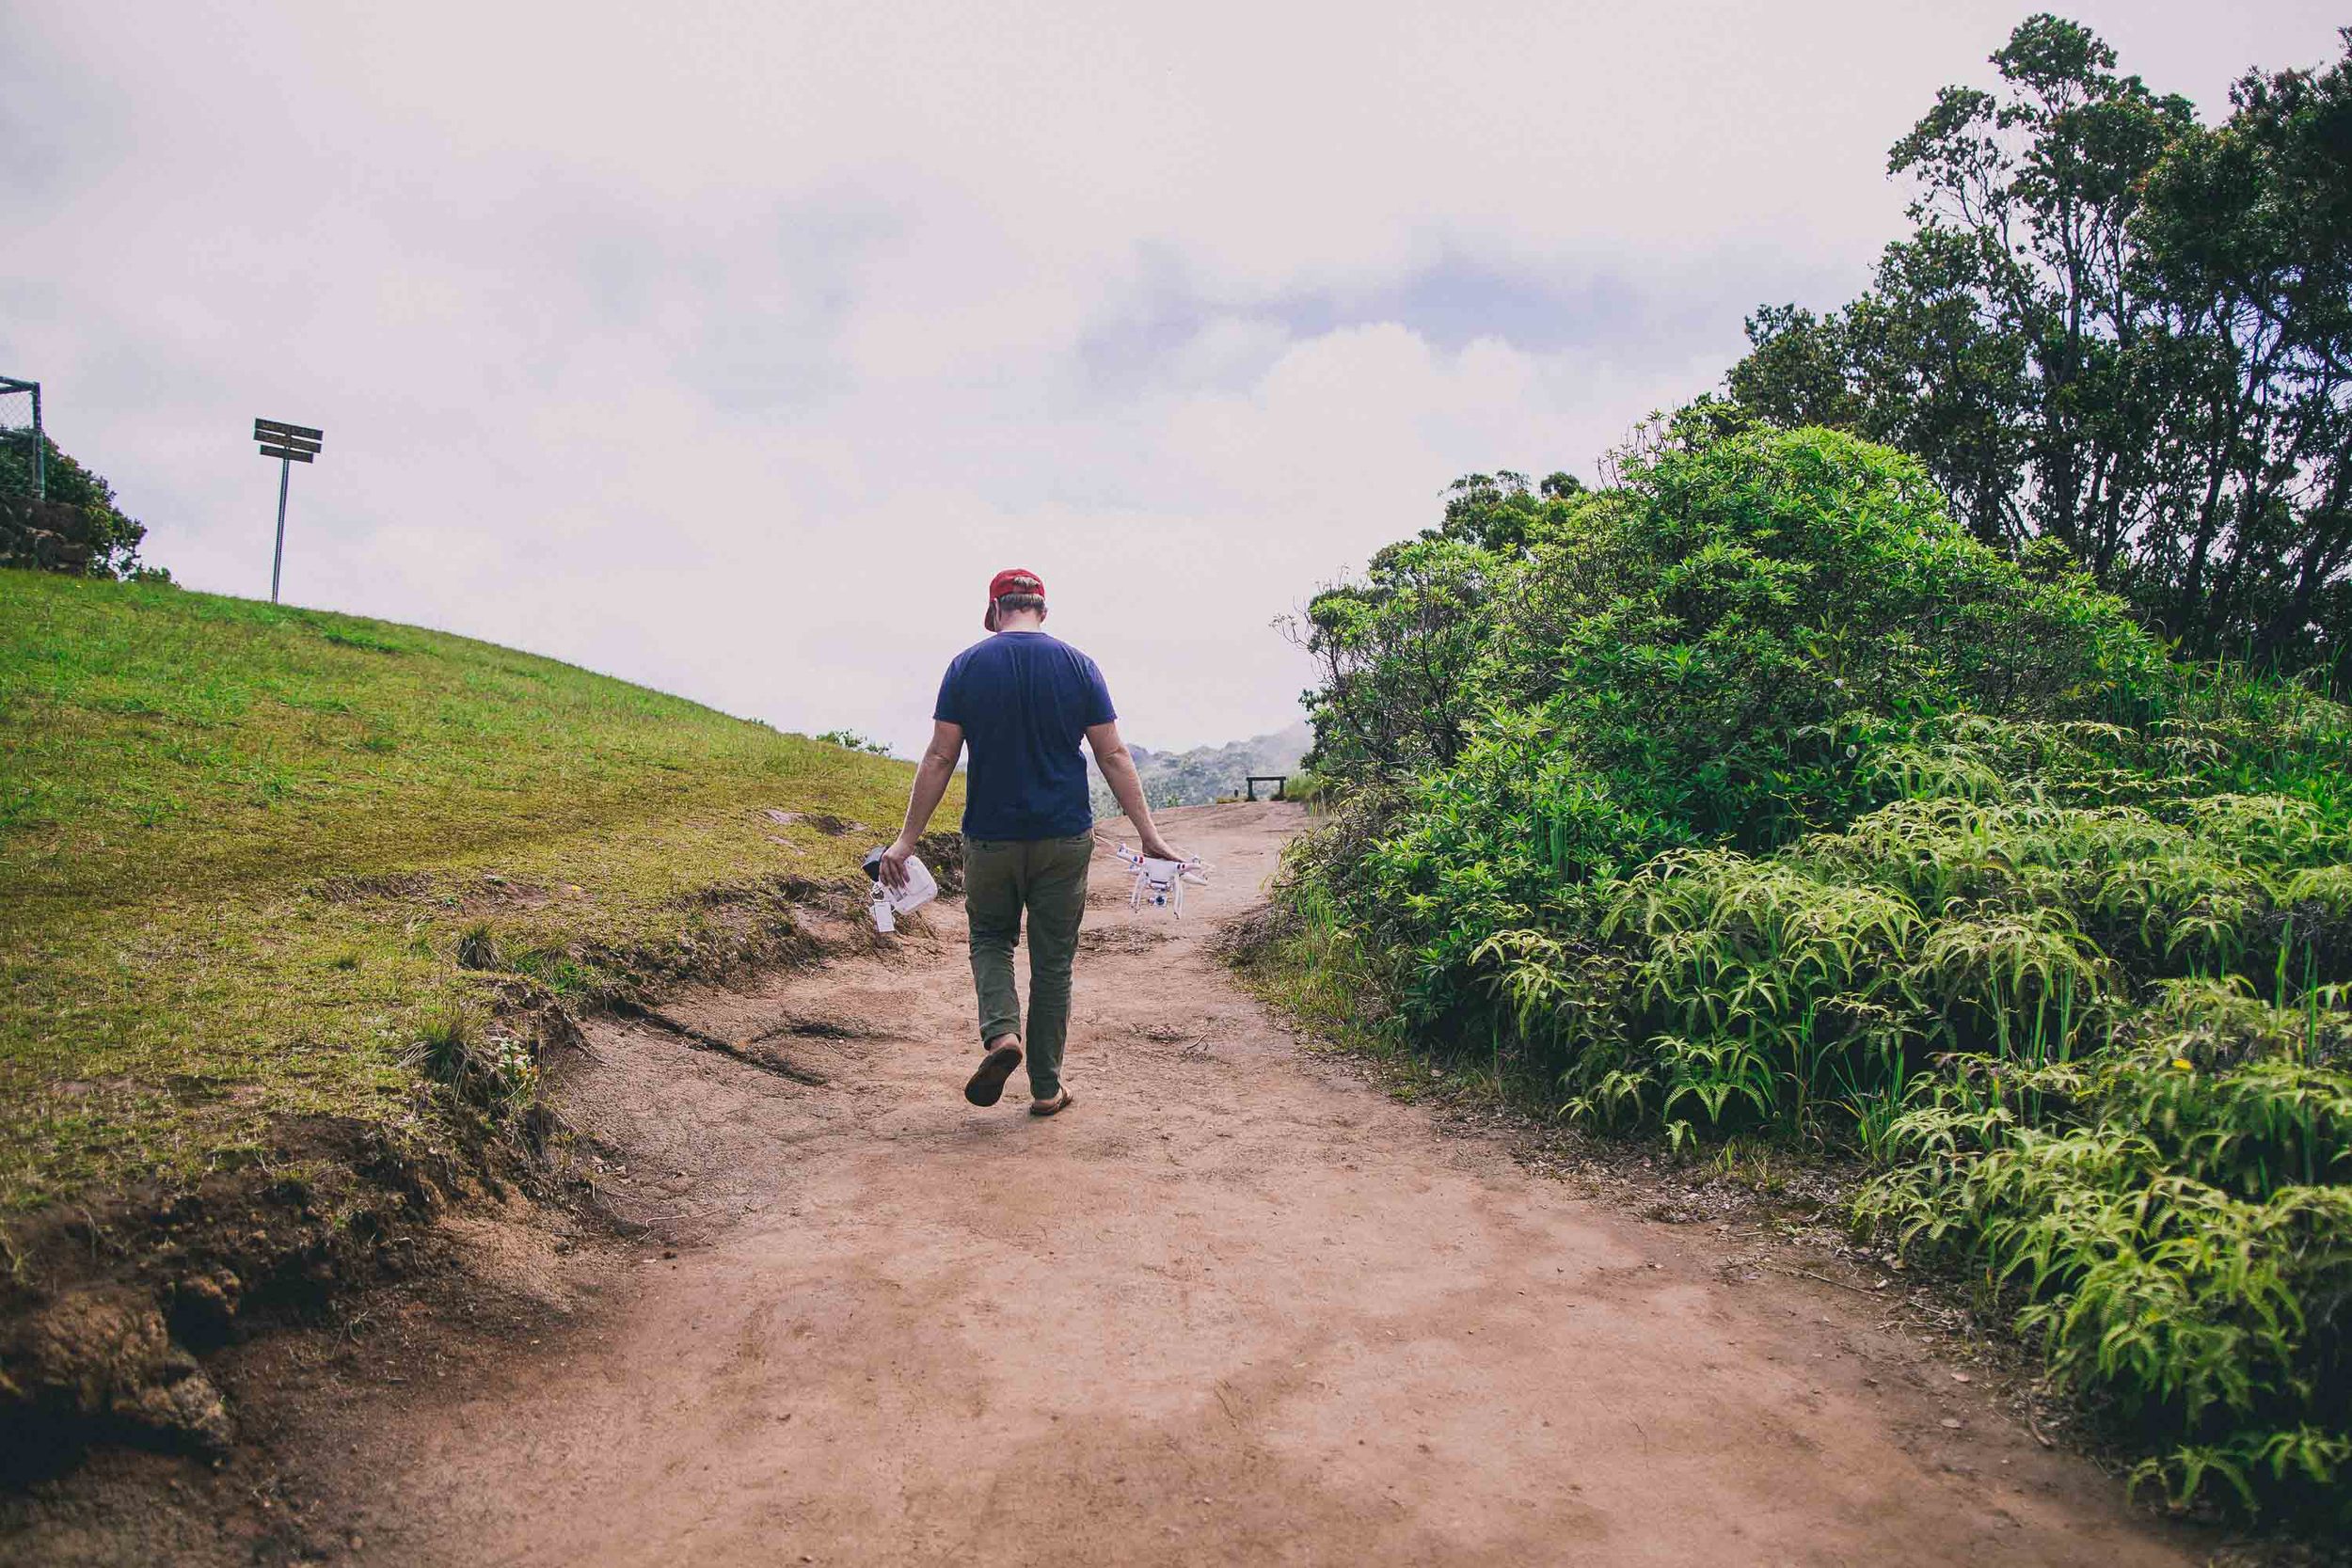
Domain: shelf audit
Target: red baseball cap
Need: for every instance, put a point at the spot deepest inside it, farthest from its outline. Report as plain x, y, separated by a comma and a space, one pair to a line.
1013, 579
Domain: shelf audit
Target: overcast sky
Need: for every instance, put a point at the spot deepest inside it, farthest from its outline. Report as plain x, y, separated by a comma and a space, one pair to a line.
729, 348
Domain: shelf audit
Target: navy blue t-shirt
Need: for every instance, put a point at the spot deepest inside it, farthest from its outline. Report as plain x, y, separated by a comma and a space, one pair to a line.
1024, 700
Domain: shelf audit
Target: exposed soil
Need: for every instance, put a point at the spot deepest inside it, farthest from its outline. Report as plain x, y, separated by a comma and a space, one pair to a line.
1233, 1305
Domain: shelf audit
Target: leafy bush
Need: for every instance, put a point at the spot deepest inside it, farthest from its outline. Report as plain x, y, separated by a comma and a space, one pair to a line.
112, 536
1311, 789
850, 741
1764, 800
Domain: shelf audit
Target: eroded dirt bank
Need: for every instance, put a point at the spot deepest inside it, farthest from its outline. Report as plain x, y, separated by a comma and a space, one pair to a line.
1233, 1307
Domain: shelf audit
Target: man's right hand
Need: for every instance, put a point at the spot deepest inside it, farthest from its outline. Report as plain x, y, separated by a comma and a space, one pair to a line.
893, 864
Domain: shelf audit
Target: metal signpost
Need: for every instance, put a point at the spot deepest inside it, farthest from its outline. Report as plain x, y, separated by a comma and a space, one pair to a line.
290, 444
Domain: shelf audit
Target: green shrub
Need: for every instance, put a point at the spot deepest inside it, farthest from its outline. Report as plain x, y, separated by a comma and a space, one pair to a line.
1763, 803
113, 537
850, 741
1309, 788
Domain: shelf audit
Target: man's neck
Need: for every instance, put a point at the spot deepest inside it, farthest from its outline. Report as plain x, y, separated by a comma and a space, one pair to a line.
1021, 620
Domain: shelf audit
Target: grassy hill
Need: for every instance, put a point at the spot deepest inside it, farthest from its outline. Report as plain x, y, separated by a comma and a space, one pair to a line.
251, 858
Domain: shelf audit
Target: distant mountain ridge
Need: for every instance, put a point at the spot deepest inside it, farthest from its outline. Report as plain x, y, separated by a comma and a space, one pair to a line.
1200, 775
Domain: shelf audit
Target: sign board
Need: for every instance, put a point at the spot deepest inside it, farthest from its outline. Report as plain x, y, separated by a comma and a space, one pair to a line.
288, 452
279, 427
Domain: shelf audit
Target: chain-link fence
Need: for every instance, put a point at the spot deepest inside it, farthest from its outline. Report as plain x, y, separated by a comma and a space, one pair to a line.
22, 461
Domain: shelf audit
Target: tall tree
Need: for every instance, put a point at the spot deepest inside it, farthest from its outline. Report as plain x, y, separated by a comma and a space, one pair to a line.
2247, 236
2118, 329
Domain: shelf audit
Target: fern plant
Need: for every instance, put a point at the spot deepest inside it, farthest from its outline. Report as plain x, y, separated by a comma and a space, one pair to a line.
1763, 804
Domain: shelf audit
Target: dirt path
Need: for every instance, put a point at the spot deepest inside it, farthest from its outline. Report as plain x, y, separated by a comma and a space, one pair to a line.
1233, 1308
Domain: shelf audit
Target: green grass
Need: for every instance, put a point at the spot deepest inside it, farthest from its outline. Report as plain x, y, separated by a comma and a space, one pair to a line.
242, 847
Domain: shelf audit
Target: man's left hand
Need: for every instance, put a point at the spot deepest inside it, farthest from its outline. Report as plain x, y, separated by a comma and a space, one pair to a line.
1159, 848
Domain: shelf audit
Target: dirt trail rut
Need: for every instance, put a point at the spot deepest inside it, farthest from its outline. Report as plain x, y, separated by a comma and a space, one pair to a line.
1231, 1307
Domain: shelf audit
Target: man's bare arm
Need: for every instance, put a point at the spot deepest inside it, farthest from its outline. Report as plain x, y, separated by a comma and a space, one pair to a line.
931, 782
1119, 771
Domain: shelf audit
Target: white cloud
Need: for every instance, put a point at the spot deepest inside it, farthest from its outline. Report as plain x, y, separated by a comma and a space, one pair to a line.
730, 347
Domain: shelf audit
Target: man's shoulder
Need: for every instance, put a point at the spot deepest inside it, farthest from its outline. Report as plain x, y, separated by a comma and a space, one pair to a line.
1082, 670
999, 649
984, 649
1017, 645
1063, 650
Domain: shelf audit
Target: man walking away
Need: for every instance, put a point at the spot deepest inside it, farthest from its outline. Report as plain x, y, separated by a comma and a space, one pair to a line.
1021, 700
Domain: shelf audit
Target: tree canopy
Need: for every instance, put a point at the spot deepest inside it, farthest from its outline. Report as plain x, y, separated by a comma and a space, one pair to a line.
2120, 329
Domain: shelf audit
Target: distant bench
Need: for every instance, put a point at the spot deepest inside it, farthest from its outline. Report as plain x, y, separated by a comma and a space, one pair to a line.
1276, 779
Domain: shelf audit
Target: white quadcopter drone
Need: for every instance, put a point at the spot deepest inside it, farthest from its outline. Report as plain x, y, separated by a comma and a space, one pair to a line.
1158, 883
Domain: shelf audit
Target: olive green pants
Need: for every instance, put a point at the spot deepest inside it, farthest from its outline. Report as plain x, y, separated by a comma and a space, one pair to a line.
1047, 878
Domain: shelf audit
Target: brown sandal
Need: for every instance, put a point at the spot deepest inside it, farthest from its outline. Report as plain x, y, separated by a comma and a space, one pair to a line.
1054, 1107
988, 1084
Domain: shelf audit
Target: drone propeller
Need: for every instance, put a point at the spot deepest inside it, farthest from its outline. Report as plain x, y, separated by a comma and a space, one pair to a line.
1192, 866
